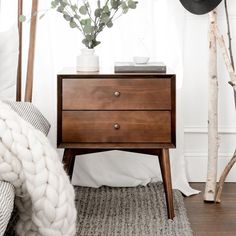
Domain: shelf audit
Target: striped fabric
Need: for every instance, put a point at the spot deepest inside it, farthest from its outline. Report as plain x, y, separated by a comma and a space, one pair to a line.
7, 194
31, 114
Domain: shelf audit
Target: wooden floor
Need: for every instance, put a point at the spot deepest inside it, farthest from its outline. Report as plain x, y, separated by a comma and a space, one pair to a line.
208, 219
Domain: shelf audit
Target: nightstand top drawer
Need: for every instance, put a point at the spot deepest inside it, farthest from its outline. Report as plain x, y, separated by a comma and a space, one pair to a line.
116, 127
115, 94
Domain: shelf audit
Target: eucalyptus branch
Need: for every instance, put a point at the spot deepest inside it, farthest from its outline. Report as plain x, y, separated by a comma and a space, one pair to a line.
106, 3
90, 22
118, 17
71, 15
116, 12
89, 11
76, 13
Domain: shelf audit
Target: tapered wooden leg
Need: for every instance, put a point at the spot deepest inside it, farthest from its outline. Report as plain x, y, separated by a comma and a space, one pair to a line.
164, 161
68, 161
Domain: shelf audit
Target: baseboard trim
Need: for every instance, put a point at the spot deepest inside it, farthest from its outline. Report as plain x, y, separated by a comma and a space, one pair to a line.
205, 154
204, 130
196, 164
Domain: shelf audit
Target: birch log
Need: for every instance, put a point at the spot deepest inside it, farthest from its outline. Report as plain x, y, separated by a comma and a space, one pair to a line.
210, 187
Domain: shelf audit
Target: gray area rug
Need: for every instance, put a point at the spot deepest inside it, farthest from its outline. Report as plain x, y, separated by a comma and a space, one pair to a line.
139, 211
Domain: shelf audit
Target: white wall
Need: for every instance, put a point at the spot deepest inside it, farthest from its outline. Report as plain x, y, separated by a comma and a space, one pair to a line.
196, 92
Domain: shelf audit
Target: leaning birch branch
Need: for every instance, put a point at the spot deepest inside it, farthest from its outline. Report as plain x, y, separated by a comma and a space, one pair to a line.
233, 159
225, 54
223, 177
229, 34
210, 187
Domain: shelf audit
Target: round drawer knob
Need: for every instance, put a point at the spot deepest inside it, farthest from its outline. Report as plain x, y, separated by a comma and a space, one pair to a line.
116, 126
117, 93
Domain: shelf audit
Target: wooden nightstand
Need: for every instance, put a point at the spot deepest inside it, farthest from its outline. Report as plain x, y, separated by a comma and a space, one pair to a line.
105, 111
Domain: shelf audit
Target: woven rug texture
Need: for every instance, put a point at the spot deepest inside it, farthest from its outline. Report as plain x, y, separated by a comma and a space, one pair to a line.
139, 211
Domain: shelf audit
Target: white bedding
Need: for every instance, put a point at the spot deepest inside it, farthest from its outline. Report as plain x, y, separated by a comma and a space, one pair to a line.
124, 169
115, 168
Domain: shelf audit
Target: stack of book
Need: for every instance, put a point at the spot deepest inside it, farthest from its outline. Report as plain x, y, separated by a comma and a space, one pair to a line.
131, 67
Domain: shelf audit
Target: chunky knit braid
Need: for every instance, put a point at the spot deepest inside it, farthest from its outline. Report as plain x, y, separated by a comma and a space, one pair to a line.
44, 195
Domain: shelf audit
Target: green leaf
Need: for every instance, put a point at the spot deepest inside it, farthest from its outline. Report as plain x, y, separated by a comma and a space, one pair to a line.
95, 43
67, 17
86, 42
115, 4
132, 4
77, 17
42, 16
99, 3
63, 3
125, 10
109, 24
86, 22
73, 24
89, 37
98, 12
106, 9
82, 22
124, 7
60, 9
83, 10
74, 7
22, 18
54, 4
88, 29
105, 19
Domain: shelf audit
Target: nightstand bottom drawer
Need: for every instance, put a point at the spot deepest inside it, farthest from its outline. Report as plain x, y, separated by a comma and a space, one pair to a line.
116, 126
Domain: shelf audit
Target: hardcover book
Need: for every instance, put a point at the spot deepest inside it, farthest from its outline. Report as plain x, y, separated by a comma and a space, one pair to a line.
131, 67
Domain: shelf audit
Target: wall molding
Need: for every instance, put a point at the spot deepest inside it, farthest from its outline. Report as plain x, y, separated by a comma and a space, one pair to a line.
197, 162
204, 130
197, 154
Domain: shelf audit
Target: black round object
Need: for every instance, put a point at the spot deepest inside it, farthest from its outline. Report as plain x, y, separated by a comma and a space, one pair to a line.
200, 7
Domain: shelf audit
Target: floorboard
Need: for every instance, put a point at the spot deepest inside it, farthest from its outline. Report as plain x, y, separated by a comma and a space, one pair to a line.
208, 219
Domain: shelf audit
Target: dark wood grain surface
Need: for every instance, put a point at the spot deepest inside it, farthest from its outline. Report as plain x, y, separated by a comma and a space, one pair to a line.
210, 219
80, 92
117, 94
116, 126
164, 161
107, 111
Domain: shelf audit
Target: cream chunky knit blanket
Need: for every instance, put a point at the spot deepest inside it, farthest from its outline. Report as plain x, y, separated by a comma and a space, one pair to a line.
44, 195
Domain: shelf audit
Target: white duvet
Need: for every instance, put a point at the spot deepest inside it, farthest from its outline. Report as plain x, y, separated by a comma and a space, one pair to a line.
125, 169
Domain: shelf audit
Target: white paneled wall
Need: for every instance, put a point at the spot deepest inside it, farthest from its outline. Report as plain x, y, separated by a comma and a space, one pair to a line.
196, 92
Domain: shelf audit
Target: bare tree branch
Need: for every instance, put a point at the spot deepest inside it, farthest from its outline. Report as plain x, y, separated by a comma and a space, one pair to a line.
231, 69
229, 34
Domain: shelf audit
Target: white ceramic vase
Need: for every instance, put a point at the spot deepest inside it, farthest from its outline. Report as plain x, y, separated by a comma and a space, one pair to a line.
87, 61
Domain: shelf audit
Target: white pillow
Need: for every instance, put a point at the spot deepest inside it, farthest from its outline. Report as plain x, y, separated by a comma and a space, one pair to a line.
9, 45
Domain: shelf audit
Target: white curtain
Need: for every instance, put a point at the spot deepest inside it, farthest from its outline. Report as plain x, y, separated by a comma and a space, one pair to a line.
156, 29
